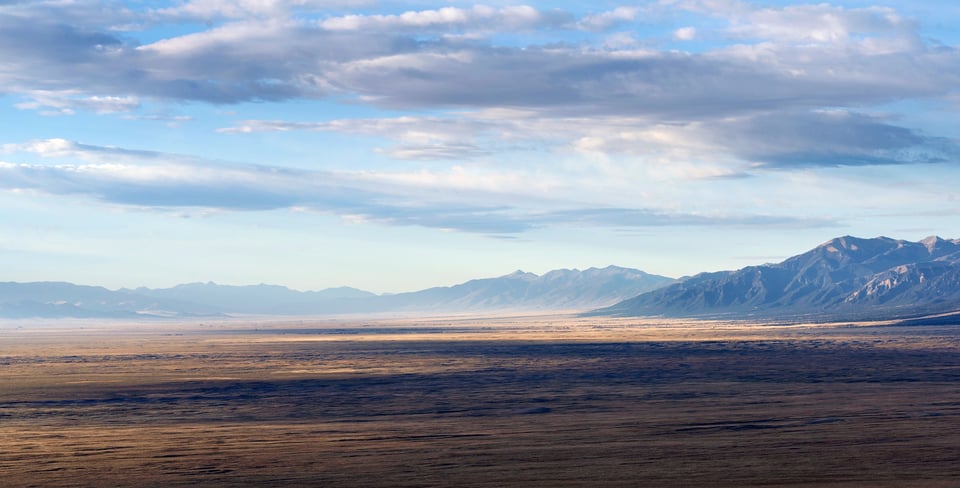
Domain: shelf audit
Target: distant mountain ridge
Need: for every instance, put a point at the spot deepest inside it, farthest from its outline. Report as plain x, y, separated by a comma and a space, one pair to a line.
845, 277
555, 290
261, 299
561, 289
59, 299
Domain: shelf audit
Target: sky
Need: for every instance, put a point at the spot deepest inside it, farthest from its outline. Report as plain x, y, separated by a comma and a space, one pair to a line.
394, 146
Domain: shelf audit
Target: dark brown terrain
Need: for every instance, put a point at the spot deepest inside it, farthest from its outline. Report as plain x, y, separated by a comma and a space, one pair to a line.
507, 401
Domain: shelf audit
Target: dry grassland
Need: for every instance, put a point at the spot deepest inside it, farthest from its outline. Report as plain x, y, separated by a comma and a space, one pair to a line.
534, 401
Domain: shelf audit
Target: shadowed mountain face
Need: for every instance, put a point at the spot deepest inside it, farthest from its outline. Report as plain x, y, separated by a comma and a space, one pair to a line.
556, 290
844, 277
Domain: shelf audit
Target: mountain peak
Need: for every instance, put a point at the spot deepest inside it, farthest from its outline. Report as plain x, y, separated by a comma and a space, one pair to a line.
851, 243
932, 242
522, 274
846, 276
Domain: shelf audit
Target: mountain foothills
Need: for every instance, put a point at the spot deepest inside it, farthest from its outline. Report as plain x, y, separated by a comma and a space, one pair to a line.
845, 278
563, 289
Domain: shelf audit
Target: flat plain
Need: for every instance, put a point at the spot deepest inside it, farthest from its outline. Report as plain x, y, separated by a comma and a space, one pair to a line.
534, 401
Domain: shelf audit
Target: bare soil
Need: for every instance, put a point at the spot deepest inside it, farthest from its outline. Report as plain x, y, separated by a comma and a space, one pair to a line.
533, 401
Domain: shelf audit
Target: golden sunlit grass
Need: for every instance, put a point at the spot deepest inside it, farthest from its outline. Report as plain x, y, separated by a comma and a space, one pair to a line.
521, 400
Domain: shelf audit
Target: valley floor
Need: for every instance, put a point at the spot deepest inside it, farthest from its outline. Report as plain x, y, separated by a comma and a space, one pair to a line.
502, 401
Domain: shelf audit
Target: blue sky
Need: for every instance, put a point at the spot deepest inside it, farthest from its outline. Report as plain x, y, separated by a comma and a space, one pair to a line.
393, 146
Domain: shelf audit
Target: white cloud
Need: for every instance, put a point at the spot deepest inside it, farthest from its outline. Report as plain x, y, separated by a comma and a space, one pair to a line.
805, 56
685, 33
64, 148
417, 138
231, 35
247, 9
608, 19
822, 23
583, 98
473, 179
458, 199
48, 148
172, 121
479, 17
423, 19
437, 151
67, 102
720, 147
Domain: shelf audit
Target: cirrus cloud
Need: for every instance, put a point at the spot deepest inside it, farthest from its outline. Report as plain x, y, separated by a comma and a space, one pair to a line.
453, 201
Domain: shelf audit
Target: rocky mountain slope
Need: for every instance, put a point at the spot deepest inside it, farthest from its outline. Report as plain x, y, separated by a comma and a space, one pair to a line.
844, 277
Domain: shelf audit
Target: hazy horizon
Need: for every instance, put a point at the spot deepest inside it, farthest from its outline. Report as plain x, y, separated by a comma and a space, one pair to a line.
240, 285
441, 285
400, 146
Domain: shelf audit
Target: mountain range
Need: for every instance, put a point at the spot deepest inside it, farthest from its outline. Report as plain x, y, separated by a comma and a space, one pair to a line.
846, 277
563, 289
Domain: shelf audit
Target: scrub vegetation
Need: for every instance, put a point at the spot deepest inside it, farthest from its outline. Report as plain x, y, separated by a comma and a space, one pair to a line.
499, 401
